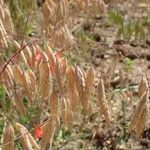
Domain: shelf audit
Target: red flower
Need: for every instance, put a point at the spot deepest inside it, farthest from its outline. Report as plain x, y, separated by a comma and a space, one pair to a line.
38, 133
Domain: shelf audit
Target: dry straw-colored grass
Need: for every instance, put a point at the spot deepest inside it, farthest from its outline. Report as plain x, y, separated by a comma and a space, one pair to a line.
5, 26
56, 87
27, 141
9, 136
66, 88
138, 119
103, 104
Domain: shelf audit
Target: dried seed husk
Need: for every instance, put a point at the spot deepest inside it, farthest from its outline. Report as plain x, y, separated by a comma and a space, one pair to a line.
54, 108
66, 113
89, 80
26, 139
18, 75
8, 138
71, 87
142, 87
48, 132
80, 84
139, 111
103, 104
44, 81
141, 123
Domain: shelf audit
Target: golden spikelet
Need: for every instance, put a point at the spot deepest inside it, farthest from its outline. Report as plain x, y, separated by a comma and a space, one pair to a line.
54, 107
19, 105
33, 85
44, 81
66, 112
104, 109
71, 87
91, 7
50, 54
137, 122
8, 138
27, 87
24, 58
9, 88
141, 123
89, 80
27, 141
18, 75
64, 65
58, 73
142, 87
80, 84
48, 132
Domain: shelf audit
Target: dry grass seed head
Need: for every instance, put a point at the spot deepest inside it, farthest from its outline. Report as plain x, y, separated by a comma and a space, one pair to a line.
8, 137
50, 54
54, 108
139, 114
48, 131
89, 80
103, 104
80, 84
58, 73
66, 112
18, 75
71, 87
28, 88
44, 81
25, 141
142, 87
141, 123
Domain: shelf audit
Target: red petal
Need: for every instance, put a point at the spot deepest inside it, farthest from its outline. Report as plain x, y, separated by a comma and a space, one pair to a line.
38, 133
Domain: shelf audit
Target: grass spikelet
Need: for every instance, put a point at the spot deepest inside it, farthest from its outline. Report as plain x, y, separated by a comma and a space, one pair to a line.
142, 87
18, 74
137, 122
89, 80
19, 105
72, 91
27, 87
8, 137
44, 81
50, 54
58, 73
48, 132
66, 112
80, 84
104, 109
54, 107
25, 141
32, 83
141, 123
27, 137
